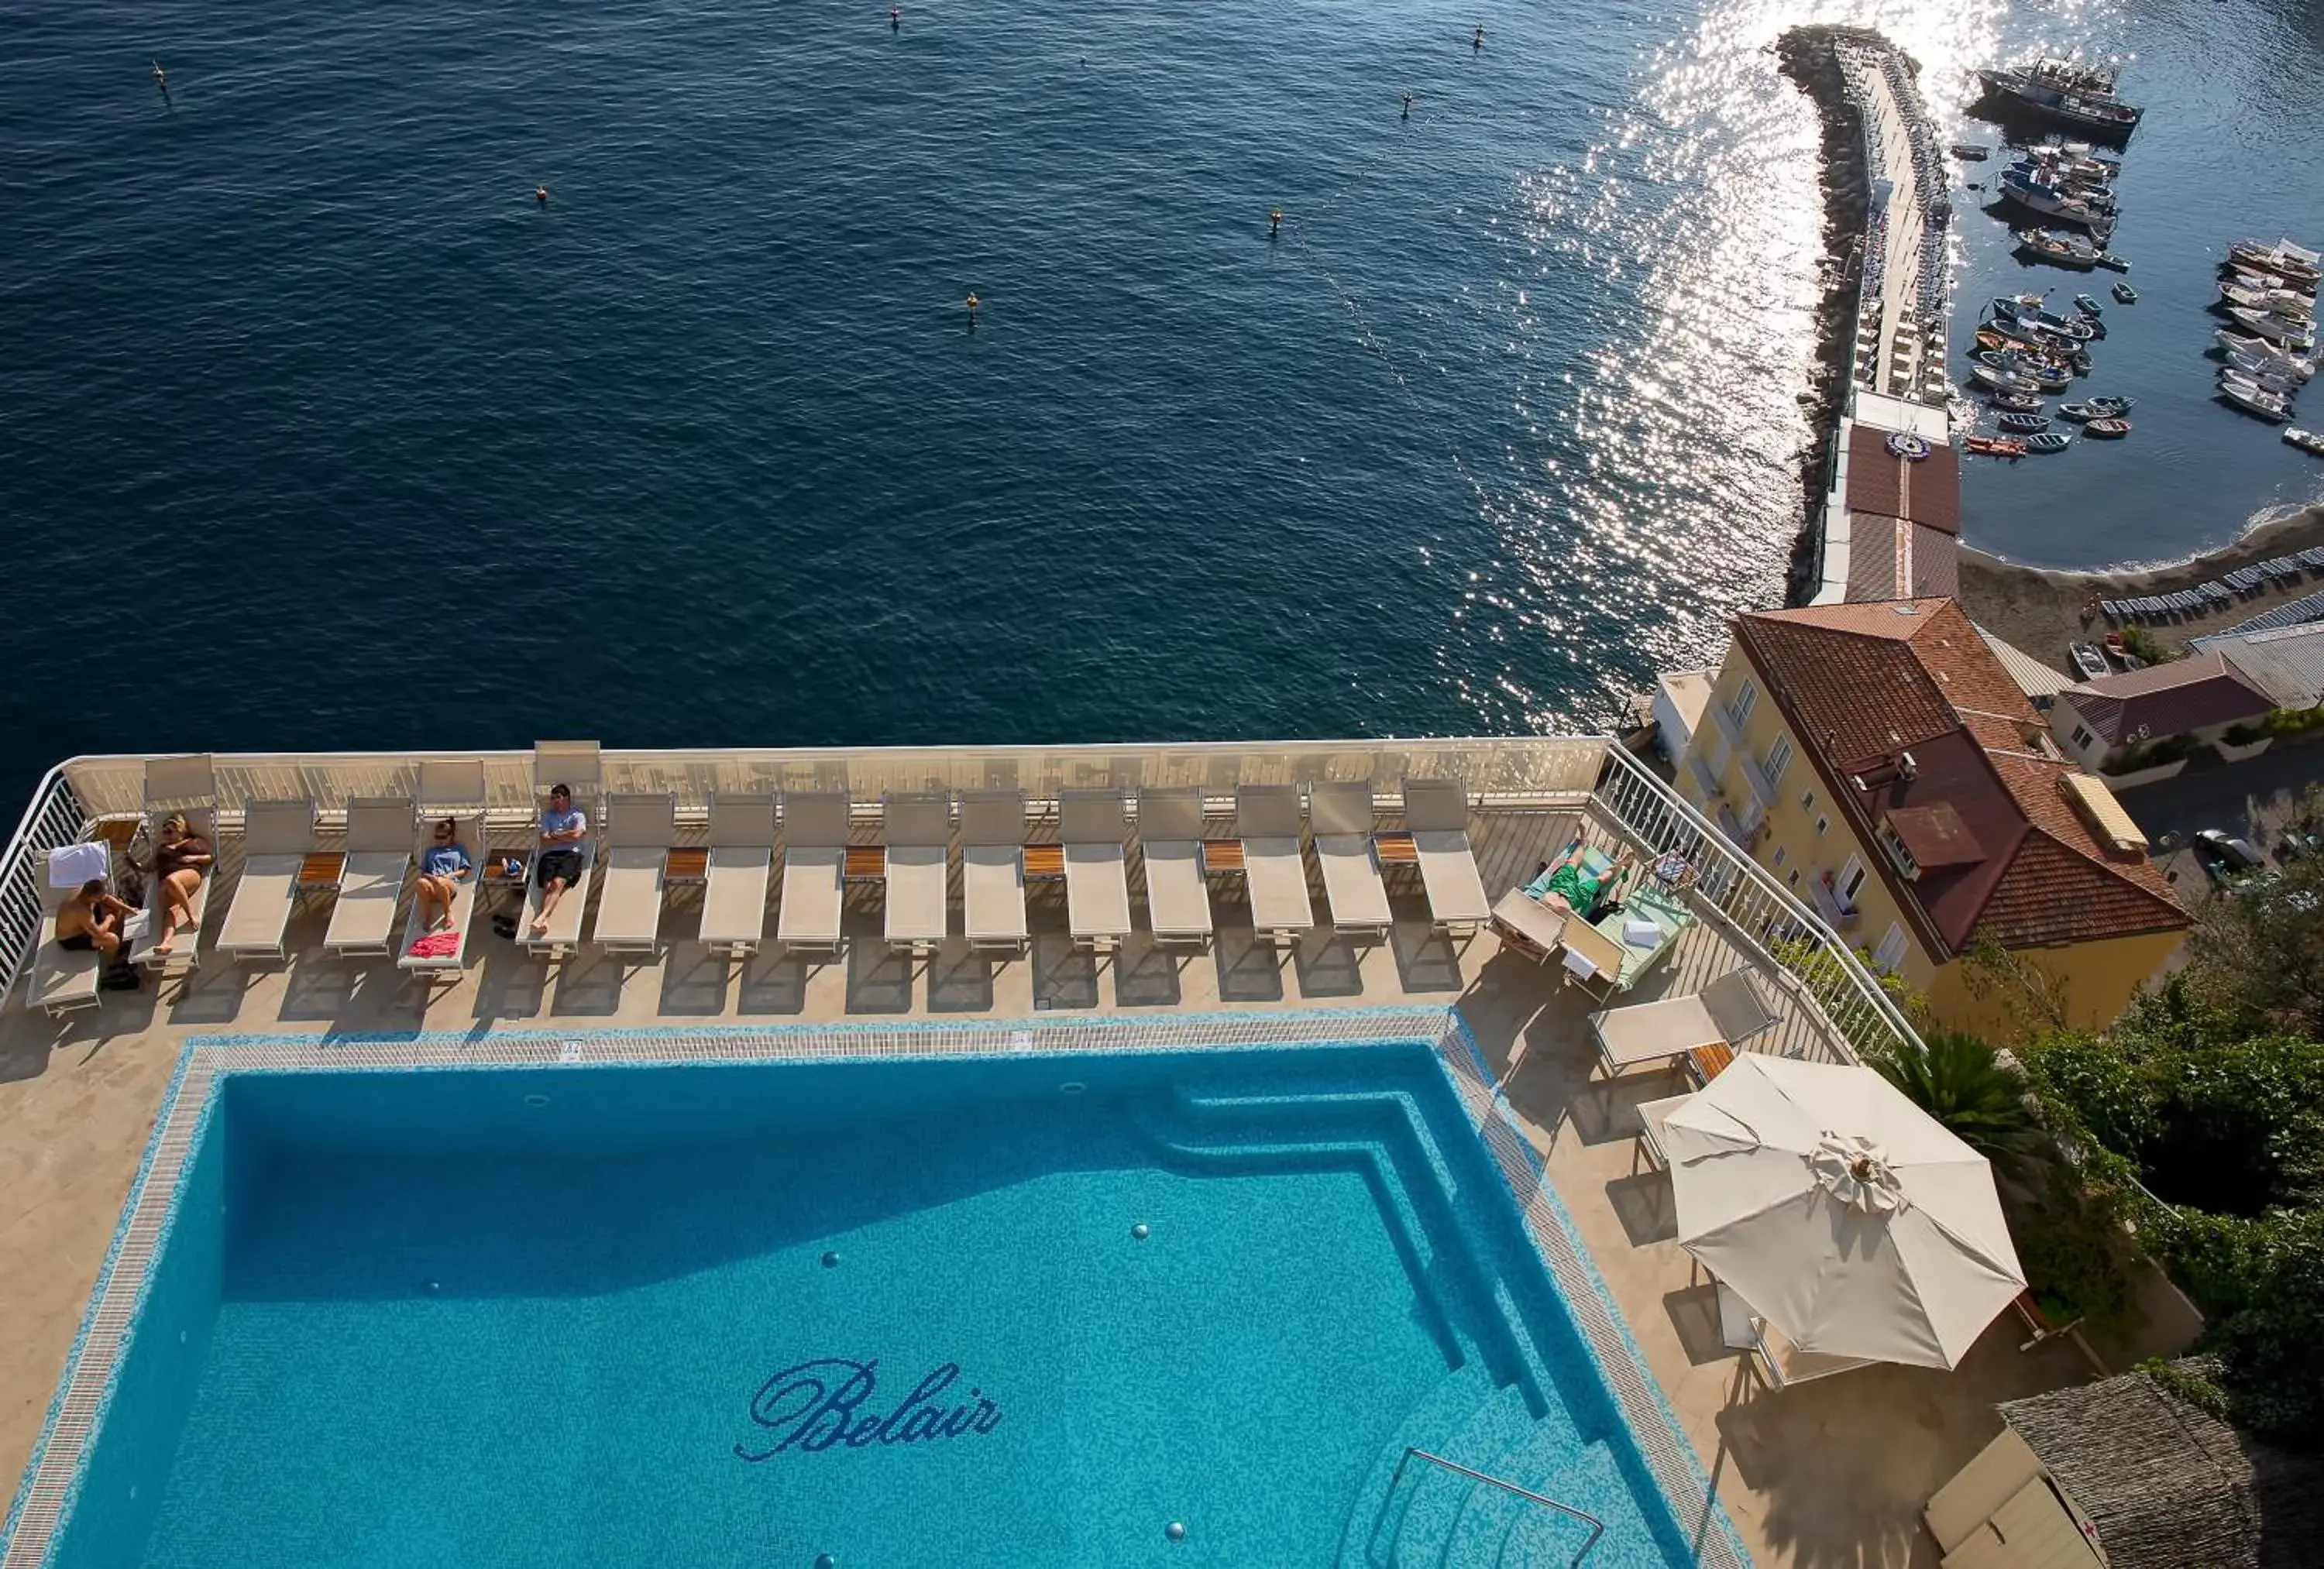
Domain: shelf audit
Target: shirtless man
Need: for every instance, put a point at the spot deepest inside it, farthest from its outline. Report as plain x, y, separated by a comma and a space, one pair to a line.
90, 922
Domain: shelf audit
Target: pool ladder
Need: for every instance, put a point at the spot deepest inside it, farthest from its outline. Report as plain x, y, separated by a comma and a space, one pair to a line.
1597, 1527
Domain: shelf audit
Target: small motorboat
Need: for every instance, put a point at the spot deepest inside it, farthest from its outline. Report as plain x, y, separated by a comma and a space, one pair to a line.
2010, 307
2269, 374
2291, 262
2306, 440
2108, 429
1989, 340
2083, 413
1995, 446
2050, 381
2124, 292
2001, 381
2106, 406
2017, 403
2048, 441
2088, 660
2284, 302
2059, 249
2112, 262
2088, 306
2240, 348
1971, 152
2024, 423
2115, 647
2281, 330
2253, 398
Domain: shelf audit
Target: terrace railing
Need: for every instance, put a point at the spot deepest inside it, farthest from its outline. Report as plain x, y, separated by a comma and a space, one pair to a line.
1502, 772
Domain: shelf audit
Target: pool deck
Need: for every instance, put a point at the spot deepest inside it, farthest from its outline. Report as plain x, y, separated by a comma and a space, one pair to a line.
1824, 1474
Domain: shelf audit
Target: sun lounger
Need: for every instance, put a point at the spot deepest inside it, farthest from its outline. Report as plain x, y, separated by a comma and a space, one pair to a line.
1090, 825
815, 851
1625, 930
277, 837
1170, 844
640, 831
993, 868
370, 882
1651, 1117
741, 856
1727, 1011
917, 832
1340, 815
563, 937
186, 786
1436, 815
440, 959
1528, 927
1266, 820
63, 978
1771, 1351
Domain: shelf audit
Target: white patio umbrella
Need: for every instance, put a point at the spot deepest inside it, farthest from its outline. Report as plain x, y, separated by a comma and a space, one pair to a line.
1842, 1213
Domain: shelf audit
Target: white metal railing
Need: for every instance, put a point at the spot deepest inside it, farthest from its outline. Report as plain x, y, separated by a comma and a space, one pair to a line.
1508, 772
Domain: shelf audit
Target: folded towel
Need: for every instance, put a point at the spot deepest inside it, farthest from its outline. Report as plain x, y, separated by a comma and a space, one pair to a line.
1580, 966
435, 945
71, 865
1641, 933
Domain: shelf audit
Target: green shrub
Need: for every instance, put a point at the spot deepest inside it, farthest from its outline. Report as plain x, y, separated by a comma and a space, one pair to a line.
2292, 721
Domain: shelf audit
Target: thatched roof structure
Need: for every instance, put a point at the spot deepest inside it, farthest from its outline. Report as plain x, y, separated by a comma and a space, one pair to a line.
2169, 1485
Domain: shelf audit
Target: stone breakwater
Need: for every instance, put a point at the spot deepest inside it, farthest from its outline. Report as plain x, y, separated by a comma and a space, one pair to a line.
1881, 325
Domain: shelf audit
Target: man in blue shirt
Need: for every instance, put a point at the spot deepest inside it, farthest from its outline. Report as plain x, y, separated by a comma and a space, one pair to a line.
558, 864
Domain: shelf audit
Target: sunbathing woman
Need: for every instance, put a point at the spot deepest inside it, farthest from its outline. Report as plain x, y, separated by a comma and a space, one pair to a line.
1569, 886
181, 860
443, 866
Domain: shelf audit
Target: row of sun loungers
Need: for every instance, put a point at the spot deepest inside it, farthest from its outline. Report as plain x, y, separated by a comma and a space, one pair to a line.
2205, 598
636, 838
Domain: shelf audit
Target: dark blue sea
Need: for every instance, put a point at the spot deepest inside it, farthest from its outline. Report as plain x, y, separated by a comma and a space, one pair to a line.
317, 431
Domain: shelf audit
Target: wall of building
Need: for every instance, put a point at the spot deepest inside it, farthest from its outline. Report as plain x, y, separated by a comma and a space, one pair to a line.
2095, 982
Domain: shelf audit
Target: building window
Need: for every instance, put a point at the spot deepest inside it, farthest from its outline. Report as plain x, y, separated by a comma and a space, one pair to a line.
1745, 696
2082, 736
1823, 824
1795, 879
1779, 757
1807, 801
1780, 856
1891, 952
1852, 877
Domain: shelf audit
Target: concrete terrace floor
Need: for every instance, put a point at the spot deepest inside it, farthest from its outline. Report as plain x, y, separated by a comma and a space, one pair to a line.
1827, 1474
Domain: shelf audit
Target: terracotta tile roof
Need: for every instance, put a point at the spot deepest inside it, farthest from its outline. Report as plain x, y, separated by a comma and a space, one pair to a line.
1862, 683
2167, 699
1924, 491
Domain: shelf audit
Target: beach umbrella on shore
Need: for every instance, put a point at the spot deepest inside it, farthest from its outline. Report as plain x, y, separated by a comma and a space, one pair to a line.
1844, 1215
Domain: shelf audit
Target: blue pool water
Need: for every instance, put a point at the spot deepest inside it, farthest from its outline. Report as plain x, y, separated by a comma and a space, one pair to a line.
894, 1312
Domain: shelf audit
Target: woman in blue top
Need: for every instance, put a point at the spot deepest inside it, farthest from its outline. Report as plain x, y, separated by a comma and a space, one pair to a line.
442, 866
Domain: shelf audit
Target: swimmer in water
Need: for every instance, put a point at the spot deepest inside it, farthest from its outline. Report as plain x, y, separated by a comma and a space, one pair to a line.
540, 195
1478, 40
974, 303
160, 76
895, 19
1407, 105
1273, 223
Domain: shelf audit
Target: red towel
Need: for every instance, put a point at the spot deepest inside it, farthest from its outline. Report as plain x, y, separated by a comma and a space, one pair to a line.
435, 945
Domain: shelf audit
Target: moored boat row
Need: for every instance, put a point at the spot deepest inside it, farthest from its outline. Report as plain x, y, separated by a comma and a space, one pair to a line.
2269, 291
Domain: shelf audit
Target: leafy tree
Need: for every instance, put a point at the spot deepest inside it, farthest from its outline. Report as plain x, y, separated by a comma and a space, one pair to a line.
1962, 1083
2259, 953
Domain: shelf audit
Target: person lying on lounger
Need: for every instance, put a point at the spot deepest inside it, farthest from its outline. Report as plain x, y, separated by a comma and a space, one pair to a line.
443, 865
1568, 885
558, 865
181, 860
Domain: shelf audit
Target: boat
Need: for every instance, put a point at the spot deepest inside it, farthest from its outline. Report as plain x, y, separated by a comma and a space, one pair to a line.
2115, 645
2059, 249
2055, 202
2082, 413
1971, 152
2058, 380
2291, 262
2112, 428
2076, 95
2296, 334
1995, 446
2306, 440
2114, 263
2236, 344
2284, 302
2048, 441
2268, 374
2016, 403
2023, 423
2116, 405
2001, 381
2010, 307
2252, 277
2088, 306
2253, 397
2088, 660
2124, 292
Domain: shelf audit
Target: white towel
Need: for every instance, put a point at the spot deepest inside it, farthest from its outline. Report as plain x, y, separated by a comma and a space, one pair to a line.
72, 864
1579, 964
1641, 933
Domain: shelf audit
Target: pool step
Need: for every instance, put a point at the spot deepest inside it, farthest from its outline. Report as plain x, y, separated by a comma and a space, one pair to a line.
1496, 1526
1445, 1408
1457, 1214
1415, 1525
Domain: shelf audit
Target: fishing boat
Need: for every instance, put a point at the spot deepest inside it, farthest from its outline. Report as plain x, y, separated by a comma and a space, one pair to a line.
2083, 413
2306, 440
2254, 398
2088, 306
2284, 330
2284, 302
2124, 292
2088, 660
2273, 376
2059, 249
2075, 95
2016, 402
2291, 262
2114, 263
2023, 423
2259, 348
2112, 428
2001, 381
1971, 152
1995, 446
2048, 441
2056, 202
2252, 277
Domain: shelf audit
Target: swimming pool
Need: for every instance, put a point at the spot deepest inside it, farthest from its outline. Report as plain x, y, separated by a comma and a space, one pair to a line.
1075, 1309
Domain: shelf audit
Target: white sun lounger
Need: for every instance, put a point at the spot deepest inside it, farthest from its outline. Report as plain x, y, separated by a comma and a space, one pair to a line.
734, 890
1091, 825
1340, 816
563, 938
371, 881
1170, 839
993, 868
639, 833
276, 837
468, 828
187, 785
1436, 815
1266, 820
1727, 1011
815, 853
917, 832
63, 978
